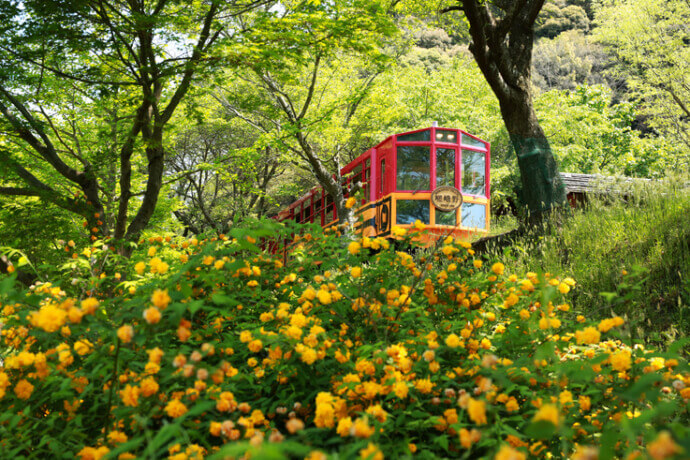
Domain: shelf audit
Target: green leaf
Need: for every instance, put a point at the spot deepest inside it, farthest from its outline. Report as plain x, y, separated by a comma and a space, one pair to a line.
540, 429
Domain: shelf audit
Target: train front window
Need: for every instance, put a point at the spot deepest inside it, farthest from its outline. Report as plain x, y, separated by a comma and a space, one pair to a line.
443, 135
414, 168
473, 215
473, 173
446, 218
420, 136
445, 167
472, 142
408, 211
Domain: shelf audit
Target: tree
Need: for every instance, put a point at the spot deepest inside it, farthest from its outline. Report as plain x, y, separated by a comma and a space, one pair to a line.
650, 40
590, 135
502, 34
126, 66
225, 173
558, 16
289, 92
569, 60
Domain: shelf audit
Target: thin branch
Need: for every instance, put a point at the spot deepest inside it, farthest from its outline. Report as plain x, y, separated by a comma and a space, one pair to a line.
312, 86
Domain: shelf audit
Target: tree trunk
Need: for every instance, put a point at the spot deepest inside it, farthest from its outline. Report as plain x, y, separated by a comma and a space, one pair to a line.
542, 188
502, 38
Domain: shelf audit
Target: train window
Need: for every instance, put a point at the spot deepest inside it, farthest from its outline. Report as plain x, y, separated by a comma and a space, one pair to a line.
414, 168
445, 167
472, 142
366, 179
318, 203
329, 208
408, 211
443, 135
383, 174
473, 215
446, 218
473, 172
420, 136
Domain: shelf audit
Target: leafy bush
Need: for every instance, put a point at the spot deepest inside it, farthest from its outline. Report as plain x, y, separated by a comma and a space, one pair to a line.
218, 348
647, 232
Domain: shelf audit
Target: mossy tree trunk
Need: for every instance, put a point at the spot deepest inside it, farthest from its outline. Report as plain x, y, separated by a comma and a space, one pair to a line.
502, 33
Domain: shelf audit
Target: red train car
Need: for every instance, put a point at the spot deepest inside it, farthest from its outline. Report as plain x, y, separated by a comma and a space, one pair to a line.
397, 178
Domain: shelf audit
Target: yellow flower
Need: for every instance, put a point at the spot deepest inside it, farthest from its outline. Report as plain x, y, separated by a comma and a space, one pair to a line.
356, 272
25, 358
130, 395
152, 315
565, 397
548, 412
424, 386
663, 447
308, 355
371, 452
476, 409
419, 225
585, 403
344, 425
620, 361
89, 306
512, 405
400, 389
453, 341
354, 247
588, 335
398, 231
149, 387
361, 429
350, 202
117, 437
83, 347
255, 346
324, 297
50, 318
125, 333
563, 288
498, 268
175, 409
23, 389
92, 453
160, 298
140, 267
508, 453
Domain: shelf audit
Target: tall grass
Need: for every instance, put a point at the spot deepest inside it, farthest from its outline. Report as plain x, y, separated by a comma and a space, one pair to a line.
645, 233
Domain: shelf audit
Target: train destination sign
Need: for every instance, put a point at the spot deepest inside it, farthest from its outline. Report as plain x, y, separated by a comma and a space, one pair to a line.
446, 198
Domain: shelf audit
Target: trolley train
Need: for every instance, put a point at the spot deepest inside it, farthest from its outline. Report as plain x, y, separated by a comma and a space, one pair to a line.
397, 178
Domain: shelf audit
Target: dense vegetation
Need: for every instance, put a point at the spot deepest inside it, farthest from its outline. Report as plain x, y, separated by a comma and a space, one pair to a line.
215, 347
142, 145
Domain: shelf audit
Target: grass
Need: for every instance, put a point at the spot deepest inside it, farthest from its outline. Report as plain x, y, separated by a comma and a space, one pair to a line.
646, 235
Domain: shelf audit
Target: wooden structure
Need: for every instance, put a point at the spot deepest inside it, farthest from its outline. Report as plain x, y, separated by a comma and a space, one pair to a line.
579, 186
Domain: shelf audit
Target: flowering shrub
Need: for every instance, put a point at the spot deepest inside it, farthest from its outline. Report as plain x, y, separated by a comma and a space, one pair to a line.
219, 348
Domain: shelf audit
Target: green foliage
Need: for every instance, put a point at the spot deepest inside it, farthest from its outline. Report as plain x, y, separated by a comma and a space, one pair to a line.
589, 135
558, 16
215, 346
649, 229
567, 61
649, 40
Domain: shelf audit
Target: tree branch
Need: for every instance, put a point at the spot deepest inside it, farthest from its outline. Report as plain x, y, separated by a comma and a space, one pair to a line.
312, 86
